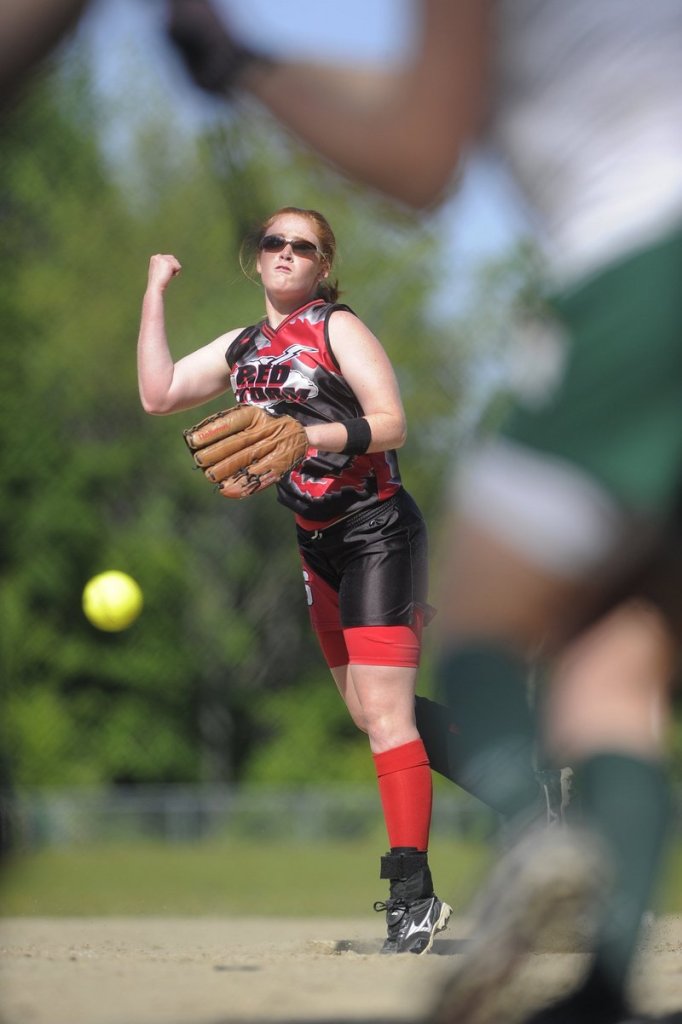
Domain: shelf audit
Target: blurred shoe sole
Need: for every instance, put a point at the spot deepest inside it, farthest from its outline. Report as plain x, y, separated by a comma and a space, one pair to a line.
546, 890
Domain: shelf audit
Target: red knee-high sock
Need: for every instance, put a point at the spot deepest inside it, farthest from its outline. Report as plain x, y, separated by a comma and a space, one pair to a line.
406, 792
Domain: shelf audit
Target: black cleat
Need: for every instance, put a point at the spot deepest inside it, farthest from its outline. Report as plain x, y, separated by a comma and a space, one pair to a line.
412, 926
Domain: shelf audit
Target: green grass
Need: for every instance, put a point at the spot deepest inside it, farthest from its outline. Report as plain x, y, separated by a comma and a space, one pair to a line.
235, 877
240, 877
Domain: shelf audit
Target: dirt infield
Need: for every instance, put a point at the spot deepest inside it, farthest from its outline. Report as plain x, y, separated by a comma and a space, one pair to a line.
224, 971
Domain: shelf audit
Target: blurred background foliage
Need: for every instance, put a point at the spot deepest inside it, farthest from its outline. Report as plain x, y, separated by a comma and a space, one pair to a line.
220, 680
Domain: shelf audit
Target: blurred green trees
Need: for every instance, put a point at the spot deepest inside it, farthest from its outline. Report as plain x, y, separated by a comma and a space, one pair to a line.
220, 679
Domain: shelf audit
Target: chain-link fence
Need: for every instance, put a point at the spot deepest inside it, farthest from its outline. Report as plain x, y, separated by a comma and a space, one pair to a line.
180, 814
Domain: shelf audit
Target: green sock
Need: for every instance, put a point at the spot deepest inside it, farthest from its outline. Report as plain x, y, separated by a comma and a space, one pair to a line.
625, 801
485, 690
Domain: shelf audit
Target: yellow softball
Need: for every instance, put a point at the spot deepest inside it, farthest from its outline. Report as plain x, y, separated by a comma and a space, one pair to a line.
112, 600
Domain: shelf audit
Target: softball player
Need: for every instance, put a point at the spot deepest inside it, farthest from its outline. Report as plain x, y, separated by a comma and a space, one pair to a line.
362, 538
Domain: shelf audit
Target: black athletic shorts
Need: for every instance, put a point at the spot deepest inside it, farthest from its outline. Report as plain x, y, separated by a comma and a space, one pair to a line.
370, 569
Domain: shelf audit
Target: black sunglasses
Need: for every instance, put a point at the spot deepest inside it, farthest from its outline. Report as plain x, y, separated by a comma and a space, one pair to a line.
276, 243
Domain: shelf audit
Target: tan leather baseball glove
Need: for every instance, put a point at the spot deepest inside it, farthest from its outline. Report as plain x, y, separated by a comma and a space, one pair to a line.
245, 449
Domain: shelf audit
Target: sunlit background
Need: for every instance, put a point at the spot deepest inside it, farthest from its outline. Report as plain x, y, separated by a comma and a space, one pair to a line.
211, 724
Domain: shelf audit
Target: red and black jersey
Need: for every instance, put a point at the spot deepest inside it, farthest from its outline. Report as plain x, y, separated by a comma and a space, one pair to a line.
292, 369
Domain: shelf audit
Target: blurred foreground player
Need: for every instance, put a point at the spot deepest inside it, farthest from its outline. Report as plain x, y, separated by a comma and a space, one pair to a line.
29, 32
565, 541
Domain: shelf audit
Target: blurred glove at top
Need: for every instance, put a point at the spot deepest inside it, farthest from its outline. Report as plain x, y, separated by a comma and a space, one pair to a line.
213, 58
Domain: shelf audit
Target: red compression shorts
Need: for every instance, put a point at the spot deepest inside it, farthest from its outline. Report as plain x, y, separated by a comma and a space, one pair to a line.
366, 580
373, 645
360, 645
